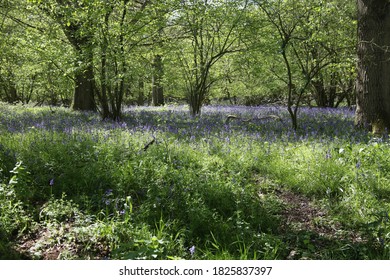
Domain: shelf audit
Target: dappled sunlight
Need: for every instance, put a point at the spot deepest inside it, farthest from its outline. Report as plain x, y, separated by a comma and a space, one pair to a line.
214, 185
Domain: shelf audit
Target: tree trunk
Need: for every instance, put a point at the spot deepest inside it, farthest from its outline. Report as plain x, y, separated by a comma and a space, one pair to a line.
195, 103
84, 90
157, 88
320, 93
102, 95
141, 94
12, 94
104, 82
373, 84
325, 95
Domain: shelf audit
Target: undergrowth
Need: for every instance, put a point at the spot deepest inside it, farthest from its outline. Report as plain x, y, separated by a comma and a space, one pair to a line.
74, 187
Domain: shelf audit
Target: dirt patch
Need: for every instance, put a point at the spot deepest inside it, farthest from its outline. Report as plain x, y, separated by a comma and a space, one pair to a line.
301, 214
42, 245
59, 243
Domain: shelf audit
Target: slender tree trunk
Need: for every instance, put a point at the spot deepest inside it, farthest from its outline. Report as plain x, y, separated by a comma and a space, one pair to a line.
120, 87
373, 83
103, 99
141, 94
157, 87
333, 92
195, 103
291, 90
103, 92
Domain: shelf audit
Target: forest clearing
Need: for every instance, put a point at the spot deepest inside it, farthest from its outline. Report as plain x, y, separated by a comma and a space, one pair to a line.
195, 130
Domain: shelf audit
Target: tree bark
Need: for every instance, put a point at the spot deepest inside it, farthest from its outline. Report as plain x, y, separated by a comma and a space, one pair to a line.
141, 94
373, 83
12, 93
157, 87
320, 93
84, 93
195, 102
325, 94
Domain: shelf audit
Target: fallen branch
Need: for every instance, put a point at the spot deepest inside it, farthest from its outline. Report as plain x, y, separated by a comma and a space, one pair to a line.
149, 144
232, 117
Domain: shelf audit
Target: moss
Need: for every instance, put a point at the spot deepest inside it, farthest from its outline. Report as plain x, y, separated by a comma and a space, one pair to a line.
378, 127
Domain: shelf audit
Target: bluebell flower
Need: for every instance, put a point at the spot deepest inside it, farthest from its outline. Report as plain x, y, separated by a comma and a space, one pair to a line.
358, 164
108, 192
328, 155
192, 250
51, 182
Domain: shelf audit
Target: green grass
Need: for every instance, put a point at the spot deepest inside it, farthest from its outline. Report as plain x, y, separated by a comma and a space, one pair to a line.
74, 187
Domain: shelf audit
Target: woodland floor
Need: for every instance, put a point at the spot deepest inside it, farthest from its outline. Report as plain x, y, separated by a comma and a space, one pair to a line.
301, 217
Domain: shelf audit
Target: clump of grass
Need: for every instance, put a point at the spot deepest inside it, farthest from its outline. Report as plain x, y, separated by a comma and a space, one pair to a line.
14, 220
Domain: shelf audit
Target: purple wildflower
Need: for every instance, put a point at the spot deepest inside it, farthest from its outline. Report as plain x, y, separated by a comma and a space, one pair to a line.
51, 182
192, 250
108, 192
328, 155
358, 164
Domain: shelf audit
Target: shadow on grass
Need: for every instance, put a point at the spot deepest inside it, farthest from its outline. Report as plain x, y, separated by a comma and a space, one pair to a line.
306, 244
309, 232
8, 252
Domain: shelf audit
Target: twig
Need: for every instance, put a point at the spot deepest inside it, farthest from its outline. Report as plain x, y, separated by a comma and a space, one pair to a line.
149, 144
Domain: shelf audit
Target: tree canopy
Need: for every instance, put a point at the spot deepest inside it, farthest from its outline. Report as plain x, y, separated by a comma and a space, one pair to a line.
103, 55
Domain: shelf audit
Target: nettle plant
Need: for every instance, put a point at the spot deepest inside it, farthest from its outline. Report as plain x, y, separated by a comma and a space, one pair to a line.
13, 217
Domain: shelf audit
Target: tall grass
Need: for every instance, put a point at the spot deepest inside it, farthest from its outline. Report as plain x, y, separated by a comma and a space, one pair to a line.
203, 189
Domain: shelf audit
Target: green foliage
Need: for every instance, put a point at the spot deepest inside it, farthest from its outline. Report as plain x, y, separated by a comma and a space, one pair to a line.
198, 190
115, 235
307, 50
93, 190
34, 60
212, 29
14, 219
222, 50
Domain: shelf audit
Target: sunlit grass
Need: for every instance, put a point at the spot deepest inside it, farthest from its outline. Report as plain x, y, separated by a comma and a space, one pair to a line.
203, 184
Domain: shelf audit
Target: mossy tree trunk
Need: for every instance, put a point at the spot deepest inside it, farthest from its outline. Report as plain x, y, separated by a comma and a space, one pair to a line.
373, 80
